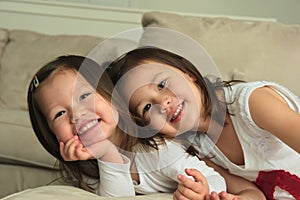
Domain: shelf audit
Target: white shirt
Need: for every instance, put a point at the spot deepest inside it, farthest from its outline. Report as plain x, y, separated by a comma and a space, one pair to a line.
158, 169
262, 150
115, 179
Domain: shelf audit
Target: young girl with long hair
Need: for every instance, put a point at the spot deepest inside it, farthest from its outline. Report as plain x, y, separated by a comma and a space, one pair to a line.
64, 106
81, 122
251, 129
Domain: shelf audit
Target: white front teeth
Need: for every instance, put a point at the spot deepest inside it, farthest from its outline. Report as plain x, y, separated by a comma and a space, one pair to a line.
177, 111
88, 126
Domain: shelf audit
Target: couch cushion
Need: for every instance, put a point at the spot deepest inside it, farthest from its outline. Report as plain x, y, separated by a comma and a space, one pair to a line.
18, 144
250, 51
72, 193
3, 40
15, 178
26, 52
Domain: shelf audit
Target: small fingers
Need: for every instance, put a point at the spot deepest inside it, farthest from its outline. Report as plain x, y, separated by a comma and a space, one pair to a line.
188, 182
221, 196
196, 174
201, 186
177, 195
186, 193
64, 152
213, 196
225, 196
72, 150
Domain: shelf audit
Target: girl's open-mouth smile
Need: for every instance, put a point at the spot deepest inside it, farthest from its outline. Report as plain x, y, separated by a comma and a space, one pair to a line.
178, 113
88, 126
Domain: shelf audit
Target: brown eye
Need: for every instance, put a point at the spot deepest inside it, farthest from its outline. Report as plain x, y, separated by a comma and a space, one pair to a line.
60, 113
85, 95
161, 85
146, 108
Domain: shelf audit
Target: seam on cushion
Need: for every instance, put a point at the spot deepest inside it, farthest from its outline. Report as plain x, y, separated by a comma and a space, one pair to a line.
5, 41
25, 162
15, 195
15, 124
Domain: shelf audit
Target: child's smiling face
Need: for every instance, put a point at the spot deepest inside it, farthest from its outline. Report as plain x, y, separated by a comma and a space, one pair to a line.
162, 96
72, 107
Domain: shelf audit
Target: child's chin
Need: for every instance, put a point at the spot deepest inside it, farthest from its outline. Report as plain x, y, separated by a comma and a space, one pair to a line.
88, 143
91, 137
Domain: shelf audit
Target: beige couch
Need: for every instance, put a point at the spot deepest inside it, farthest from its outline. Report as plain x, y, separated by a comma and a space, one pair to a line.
242, 50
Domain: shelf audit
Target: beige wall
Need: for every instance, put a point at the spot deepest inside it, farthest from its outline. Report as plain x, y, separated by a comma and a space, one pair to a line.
286, 11
108, 17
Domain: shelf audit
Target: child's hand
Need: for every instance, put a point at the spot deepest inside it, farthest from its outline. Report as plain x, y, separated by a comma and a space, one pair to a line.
191, 189
222, 196
73, 150
96, 143
106, 151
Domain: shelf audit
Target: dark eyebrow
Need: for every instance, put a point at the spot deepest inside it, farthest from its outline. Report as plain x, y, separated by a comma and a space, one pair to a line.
137, 105
152, 81
157, 75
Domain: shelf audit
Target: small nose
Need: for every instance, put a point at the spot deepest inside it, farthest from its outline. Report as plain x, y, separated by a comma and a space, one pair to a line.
77, 114
165, 103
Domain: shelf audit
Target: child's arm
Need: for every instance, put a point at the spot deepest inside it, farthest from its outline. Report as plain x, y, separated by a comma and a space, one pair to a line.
112, 172
198, 188
115, 179
175, 152
237, 187
270, 112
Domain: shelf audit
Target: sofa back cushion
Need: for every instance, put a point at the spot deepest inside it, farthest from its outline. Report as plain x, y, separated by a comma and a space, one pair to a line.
241, 50
3, 40
19, 145
26, 52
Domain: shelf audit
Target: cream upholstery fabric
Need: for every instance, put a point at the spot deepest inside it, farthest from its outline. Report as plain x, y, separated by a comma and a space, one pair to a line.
3, 40
19, 145
71, 193
26, 53
16, 177
241, 50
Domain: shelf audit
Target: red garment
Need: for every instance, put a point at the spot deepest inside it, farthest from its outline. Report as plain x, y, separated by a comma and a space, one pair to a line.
268, 180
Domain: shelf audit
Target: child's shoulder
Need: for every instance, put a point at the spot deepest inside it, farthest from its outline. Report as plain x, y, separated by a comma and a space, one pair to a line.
237, 96
252, 84
244, 89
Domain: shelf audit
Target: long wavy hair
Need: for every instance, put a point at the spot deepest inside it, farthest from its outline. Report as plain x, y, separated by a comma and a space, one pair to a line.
75, 171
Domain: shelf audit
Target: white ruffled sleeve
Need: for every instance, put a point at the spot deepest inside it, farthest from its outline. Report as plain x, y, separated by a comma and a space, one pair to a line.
115, 179
174, 160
